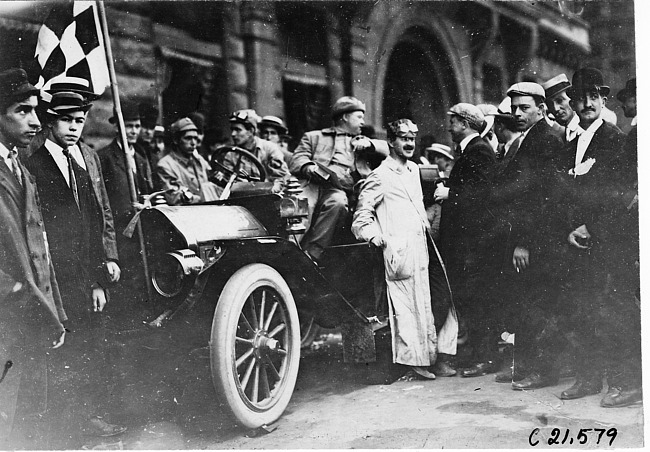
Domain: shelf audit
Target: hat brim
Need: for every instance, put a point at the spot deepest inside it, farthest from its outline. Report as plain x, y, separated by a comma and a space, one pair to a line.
281, 129
63, 110
442, 152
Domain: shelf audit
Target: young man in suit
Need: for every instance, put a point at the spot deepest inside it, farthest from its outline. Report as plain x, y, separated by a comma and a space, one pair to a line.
559, 104
523, 234
31, 312
463, 218
606, 319
81, 235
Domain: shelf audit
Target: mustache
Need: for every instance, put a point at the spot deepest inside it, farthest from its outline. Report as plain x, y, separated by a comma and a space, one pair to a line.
586, 109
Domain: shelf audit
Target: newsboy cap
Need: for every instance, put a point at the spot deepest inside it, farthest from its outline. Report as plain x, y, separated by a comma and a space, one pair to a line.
130, 112
442, 149
246, 116
628, 91
556, 85
15, 85
275, 122
66, 102
471, 113
347, 104
526, 89
182, 125
587, 79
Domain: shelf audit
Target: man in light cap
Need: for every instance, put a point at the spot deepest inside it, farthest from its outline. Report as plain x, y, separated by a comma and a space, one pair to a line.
243, 126
506, 132
183, 172
526, 234
390, 215
600, 188
81, 236
487, 133
559, 105
463, 217
31, 312
324, 159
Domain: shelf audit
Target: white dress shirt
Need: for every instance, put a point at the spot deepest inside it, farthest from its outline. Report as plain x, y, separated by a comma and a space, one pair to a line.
61, 160
573, 128
585, 139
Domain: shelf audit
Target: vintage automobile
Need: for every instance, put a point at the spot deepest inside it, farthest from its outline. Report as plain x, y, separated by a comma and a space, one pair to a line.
232, 271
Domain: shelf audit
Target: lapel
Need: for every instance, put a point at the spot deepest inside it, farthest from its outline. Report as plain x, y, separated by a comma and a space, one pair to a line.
118, 155
93, 171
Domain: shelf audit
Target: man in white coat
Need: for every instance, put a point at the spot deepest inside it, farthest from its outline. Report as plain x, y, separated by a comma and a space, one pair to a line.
390, 215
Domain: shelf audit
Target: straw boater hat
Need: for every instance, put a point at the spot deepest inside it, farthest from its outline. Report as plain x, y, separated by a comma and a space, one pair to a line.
275, 122
556, 85
66, 102
441, 149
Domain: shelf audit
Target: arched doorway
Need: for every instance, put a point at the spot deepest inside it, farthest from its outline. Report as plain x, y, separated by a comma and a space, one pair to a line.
420, 85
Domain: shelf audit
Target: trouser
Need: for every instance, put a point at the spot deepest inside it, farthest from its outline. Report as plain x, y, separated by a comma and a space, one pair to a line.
330, 216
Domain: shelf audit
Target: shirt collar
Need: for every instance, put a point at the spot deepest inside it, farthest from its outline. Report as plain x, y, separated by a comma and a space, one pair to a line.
634, 121
595, 126
465, 141
53, 147
574, 124
4, 152
394, 165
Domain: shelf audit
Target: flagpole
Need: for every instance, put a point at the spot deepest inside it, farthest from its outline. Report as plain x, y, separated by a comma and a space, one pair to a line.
125, 144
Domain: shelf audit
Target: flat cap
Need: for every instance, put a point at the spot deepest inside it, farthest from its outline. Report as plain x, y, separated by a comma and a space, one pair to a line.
14, 84
471, 113
247, 116
63, 102
130, 112
587, 79
274, 121
402, 127
628, 91
556, 85
526, 89
182, 125
441, 149
347, 104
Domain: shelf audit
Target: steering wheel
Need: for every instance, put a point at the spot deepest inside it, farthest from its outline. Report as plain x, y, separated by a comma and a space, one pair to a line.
240, 155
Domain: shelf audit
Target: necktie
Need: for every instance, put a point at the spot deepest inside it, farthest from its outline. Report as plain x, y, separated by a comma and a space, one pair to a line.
71, 175
13, 155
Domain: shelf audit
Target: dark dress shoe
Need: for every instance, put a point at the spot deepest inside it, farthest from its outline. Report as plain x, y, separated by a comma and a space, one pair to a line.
617, 397
479, 369
535, 381
509, 375
582, 387
443, 369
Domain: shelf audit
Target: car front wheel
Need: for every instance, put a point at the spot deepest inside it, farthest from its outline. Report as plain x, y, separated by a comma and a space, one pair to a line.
255, 345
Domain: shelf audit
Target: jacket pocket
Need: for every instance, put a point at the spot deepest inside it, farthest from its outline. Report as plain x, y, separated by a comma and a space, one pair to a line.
397, 259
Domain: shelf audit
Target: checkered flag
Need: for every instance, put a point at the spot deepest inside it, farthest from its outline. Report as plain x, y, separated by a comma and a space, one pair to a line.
70, 43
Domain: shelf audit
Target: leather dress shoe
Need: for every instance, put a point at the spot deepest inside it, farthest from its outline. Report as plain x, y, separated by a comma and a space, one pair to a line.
479, 369
443, 369
423, 372
535, 381
509, 374
582, 387
617, 397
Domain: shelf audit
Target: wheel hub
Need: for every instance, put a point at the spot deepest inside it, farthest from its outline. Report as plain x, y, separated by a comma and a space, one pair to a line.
264, 344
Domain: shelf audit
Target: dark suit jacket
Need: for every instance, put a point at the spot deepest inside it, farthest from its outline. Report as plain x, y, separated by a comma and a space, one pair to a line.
464, 214
594, 199
62, 218
520, 196
24, 258
113, 168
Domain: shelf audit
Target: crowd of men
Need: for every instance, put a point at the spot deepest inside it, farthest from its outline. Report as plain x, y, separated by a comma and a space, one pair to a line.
533, 228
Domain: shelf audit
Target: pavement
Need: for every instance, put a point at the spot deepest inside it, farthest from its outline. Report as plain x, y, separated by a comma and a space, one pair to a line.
169, 404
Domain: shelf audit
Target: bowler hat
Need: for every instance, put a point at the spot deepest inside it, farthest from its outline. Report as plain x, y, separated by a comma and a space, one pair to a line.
182, 125
628, 91
526, 89
148, 115
15, 85
588, 79
130, 112
471, 113
556, 85
441, 149
66, 102
347, 104
73, 85
246, 116
274, 121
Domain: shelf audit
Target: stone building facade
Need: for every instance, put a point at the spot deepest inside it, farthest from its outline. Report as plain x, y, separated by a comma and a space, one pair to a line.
293, 59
